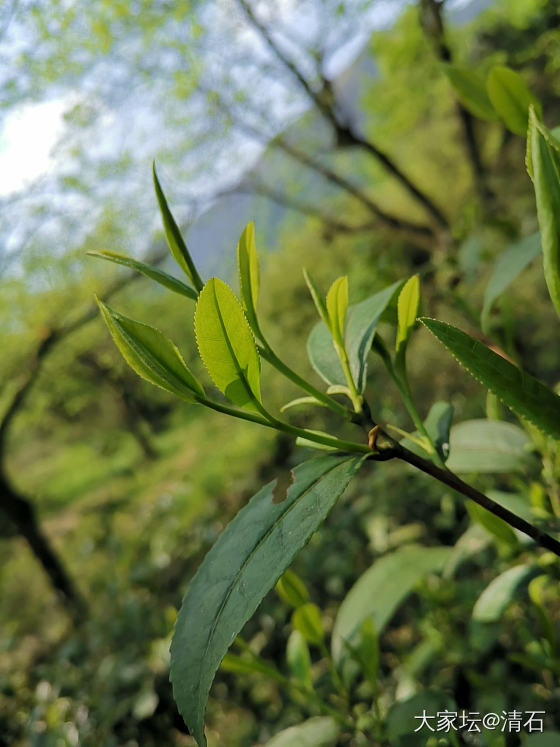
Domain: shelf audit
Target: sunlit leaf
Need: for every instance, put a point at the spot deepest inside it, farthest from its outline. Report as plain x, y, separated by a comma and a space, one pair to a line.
174, 238
493, 601
240, 569
546, 181
226, 344
493, 524
307, 619
248, 265
509, 265
152, 355
524, 394
337, 306
362, 320
151, 272
511, 98
299, 401
471, 91
407, 310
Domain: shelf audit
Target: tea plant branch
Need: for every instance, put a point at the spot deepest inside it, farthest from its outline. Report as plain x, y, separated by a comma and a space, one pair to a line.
449, 478
344, 132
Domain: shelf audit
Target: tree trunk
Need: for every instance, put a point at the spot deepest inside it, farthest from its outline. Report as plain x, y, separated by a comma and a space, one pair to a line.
21, 512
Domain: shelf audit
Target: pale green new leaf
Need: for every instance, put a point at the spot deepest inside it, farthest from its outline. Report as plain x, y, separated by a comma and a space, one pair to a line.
337, 306
152, 355
248, 265
508, 266
307, 619
511, 98
302, 401
521, 392
362, 320
226, 344
471, 91
381, 589
153, 273
493, 601
493, 524
174, 238
320, 731
291, 589
407, 310
546, 181
240, 569
299, 659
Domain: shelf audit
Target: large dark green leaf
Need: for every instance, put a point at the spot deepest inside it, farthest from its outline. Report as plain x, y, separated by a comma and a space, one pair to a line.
226, 344
174, 237
508, 266
488, 446
524, 394
168, 281
501, 591
545, 160
244, 564
380, 590
152, 355
511, 98
361, 323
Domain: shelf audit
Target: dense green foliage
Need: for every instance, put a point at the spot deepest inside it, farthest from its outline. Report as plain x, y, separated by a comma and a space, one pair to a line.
409, 597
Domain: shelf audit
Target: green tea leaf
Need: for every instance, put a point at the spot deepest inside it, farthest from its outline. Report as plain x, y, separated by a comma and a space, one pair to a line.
489, 446
298, 659
152, 355
174, 238
241, 665
493, 524
438, 426
511, 98
381, 589
366, 650
307, 619
471, 91
493, 601
320, 731
407, 309
248, 265
226, 344
362, 320
317, 299
242, 566
291, 589
302, 401
337, 306
546, 181
151, 272
508, 266
524, 394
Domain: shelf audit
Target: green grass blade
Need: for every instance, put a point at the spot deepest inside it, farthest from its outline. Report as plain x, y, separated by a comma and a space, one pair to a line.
226, 344
240, 569
521, 392
152, 355
168, 281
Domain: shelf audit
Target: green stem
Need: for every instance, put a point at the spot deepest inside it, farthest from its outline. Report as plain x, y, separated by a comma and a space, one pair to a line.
335, 677
354, 394
279, 425
269, 355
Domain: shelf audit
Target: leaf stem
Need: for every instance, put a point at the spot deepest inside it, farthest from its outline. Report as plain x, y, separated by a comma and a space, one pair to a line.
269, 355
280, 425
